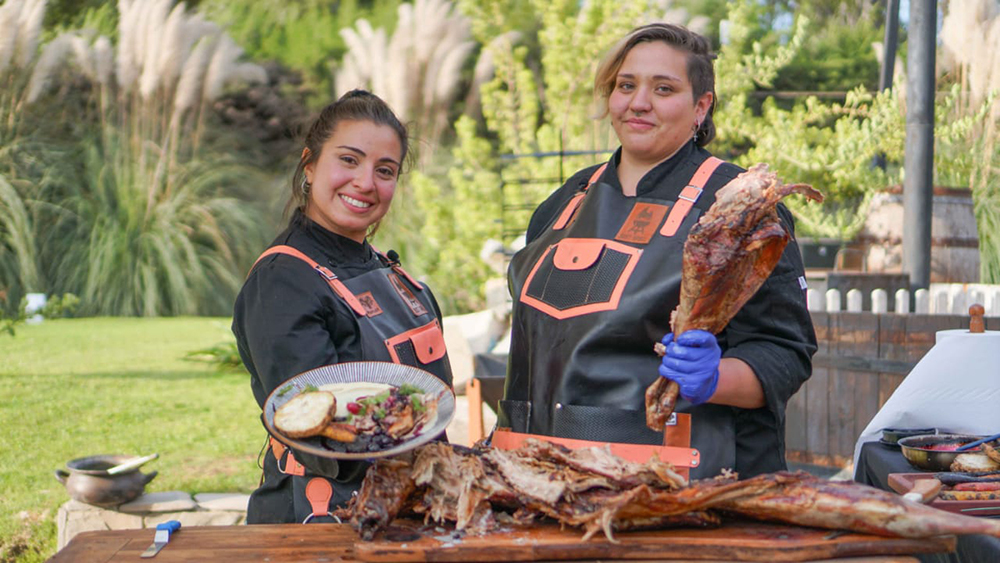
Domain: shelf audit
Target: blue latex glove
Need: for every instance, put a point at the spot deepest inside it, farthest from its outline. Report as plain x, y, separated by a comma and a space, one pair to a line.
693, 362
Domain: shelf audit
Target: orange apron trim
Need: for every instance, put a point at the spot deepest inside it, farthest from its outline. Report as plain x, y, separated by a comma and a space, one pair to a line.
689, 196
578, 254
428, 343
582, 250
677, 432
292, 465
570, 210
319, 491
332, 280
681, 458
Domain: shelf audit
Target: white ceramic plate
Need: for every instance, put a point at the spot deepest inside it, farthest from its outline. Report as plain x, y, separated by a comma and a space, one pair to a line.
369, 372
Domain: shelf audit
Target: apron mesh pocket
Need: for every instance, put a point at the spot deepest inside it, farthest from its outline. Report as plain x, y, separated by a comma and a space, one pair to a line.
406, 353
565, 289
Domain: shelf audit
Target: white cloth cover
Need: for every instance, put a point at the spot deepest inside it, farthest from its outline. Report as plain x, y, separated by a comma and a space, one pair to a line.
955, 387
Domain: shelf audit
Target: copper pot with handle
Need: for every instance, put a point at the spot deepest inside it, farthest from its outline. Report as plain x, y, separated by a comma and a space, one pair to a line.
88, 480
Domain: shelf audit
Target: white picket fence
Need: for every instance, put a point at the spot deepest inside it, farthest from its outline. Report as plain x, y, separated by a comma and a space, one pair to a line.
940, 299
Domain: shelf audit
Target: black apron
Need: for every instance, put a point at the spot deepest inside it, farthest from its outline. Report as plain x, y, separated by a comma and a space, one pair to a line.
592, 294
398, 324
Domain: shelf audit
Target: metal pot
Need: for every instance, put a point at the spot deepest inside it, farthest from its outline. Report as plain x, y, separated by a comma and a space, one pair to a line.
915, 450
88, 480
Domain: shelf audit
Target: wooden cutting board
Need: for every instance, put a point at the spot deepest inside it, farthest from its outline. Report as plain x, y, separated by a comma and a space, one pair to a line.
737, 541
903, 482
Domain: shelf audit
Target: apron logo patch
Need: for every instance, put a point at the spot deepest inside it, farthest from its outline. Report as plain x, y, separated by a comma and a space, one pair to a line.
642, 223
407, 296
368, 302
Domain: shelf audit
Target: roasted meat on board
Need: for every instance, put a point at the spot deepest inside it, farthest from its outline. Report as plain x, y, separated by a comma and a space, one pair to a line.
590, 488
727, 256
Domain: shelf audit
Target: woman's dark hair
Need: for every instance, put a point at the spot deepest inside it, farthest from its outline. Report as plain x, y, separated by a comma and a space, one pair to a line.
356, 105
700, 68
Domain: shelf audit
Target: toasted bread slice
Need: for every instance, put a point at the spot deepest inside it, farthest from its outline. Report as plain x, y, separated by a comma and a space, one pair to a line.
305, 414
974, 463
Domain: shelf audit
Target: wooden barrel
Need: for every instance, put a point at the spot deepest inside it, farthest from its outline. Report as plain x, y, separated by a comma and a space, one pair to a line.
954, 238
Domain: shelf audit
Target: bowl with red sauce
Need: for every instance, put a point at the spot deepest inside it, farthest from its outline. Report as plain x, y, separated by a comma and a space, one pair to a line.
935, 452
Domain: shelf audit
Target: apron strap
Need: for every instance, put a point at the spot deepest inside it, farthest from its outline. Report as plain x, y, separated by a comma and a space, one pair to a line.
398, 268
292, 465
331, 278
570, 209
689, 196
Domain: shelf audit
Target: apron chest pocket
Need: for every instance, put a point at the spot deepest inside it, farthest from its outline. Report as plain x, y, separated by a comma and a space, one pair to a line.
580, 276
419, 346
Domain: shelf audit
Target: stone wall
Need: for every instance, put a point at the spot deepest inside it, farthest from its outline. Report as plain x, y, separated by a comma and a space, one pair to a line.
205, 509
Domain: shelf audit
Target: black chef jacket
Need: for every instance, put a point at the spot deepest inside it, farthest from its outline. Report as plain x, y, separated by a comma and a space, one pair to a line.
772, 333
287, 321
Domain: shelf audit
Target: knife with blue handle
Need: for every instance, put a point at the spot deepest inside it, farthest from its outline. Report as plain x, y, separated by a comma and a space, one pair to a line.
163, 531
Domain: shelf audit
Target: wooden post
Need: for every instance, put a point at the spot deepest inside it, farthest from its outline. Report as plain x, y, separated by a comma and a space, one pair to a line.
976, 322
474, 394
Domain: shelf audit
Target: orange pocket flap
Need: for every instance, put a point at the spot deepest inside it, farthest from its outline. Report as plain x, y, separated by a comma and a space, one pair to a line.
577, 254
428, 343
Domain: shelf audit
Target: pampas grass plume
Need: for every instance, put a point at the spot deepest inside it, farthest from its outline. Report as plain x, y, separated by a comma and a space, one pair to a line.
450, 73
52, 57
173, 46
152, 39
9, 12
104, 60
84, 56
226, 53
190, 85
30, 27
127, 67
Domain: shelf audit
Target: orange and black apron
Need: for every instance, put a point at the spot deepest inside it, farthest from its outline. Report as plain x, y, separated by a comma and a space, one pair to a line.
592, 294
398, 323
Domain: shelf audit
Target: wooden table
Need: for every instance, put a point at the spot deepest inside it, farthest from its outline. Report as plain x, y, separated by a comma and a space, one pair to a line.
273, 543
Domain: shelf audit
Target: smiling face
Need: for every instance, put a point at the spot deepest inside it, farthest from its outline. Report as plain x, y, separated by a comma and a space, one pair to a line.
652, 106
354, 178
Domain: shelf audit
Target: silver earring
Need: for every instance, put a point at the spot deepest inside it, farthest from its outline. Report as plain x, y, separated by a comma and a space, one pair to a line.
306, 186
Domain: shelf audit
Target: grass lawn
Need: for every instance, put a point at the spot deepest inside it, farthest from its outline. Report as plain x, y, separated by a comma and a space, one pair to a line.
73, 388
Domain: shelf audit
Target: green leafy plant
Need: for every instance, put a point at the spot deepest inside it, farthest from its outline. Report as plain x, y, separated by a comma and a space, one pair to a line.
149, 218
54, 307
300, 34
224, 356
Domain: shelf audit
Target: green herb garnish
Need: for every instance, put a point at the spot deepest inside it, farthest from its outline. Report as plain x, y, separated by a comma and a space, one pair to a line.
407, 389
310, 388
418, 405
285, 389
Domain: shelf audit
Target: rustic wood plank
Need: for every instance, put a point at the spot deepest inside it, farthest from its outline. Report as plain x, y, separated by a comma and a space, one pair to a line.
409, 541
817, 394
736, 541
